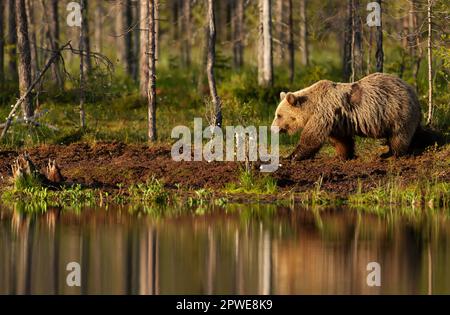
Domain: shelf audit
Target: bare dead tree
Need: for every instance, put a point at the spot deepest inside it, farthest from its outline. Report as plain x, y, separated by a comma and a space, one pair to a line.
24, 54
211, 61
152, 73
379, 54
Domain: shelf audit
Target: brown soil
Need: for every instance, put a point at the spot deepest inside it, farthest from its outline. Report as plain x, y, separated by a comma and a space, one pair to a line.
104, 165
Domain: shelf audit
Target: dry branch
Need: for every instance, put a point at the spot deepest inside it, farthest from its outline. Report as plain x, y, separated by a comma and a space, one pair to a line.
56, 54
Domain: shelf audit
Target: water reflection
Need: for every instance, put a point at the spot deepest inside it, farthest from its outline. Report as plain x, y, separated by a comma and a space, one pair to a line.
243, 250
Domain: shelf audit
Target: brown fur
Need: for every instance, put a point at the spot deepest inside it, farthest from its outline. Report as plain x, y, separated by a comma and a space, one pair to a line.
377, 106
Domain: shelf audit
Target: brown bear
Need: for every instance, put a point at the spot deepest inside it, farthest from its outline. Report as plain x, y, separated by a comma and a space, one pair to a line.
377, 106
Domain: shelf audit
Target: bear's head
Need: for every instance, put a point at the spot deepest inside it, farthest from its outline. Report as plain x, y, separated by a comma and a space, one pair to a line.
292, 113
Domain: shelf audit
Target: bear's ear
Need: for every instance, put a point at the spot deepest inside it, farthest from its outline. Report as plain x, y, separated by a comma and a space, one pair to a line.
296, 101
282, 95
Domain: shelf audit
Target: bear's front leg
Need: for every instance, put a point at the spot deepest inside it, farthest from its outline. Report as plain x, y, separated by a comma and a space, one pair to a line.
310, 142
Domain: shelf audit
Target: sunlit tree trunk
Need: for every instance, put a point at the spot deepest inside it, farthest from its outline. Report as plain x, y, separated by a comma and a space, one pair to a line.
12, 40
210, 63
303, 34
24, 57
290, 41
143, 48
152, 73
265, 64
85, 36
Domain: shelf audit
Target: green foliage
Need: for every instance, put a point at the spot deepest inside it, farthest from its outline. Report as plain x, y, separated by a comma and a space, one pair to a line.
251, 183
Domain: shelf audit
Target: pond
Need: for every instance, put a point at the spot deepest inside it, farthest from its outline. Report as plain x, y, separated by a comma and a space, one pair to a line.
239, 249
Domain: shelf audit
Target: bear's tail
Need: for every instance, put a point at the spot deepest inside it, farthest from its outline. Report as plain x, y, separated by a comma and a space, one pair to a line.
425, 137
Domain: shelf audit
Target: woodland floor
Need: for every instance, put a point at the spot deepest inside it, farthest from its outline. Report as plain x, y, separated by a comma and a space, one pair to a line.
104, 165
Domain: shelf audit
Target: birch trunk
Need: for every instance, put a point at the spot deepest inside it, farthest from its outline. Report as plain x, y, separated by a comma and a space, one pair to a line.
430, 62
265, 71
143, 49
210, 63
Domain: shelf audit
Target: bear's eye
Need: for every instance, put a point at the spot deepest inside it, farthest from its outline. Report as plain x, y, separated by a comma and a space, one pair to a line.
278, 116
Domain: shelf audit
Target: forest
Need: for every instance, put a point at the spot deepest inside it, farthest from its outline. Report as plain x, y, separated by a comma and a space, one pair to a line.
100, 195
91, 90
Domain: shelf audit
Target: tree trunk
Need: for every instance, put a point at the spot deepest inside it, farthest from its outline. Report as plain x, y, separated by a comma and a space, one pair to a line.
187, 33
124, 19
152, 73
210, 63
303, 34
2, 44
265, 69
379, 54
12, 40
136, 40
430, 62
357, 33
143, 49
279, 29
348, 43
29, 7
53, 37
85, 37
157, 31
84, 68
24, 58
238, 31
290, 41
98, 14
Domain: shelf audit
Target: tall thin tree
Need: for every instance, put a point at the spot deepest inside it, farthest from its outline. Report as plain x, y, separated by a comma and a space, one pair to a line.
379, 54
2, 43
304, 53
238, 32
143, 48
12, 40
187, 33
84, 59
29, 6
24, 58
265, 59
210, 63
152, 72
290, 41
430, 60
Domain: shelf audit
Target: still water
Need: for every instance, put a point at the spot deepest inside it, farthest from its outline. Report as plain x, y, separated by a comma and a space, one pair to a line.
245, 249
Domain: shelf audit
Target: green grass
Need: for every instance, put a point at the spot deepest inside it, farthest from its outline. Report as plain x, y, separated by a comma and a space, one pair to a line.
251, 183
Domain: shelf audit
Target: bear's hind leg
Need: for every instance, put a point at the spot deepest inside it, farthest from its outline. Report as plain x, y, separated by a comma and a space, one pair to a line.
344, 146
398, 145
